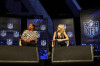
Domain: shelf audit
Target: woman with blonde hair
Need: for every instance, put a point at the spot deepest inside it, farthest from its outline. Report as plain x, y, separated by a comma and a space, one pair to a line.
60, 36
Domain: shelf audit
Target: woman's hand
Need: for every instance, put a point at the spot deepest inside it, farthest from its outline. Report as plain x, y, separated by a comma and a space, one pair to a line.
67, 45
28, 40
53, 40
59, 40
33, 39
53, 46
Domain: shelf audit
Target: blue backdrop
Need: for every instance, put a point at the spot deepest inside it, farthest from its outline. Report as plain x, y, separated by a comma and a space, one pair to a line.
90, 29
9, 30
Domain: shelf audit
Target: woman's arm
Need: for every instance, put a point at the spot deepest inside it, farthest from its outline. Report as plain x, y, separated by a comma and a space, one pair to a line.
66, 37
23, 39
54, 36
53, 44
34, 39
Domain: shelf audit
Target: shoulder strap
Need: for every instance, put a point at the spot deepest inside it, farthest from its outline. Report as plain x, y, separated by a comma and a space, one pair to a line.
63, 35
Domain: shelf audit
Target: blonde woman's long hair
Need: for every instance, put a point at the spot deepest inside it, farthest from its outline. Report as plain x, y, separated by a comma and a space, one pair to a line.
61, 27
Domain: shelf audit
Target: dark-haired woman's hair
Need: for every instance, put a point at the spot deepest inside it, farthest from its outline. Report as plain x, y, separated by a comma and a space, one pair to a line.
33, 25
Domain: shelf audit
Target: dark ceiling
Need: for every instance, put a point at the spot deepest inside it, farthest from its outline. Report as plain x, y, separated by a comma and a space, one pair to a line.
2, 7
89, 4
58, 8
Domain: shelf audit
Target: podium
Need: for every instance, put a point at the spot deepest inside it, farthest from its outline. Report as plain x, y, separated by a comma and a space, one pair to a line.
72, 54
16, 54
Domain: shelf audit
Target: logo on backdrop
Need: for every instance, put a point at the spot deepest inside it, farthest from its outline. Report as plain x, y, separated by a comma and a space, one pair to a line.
10, 25
9, 41
70, 34
91, 28
3, 33
43, 27
64, 26
16, 34
43, 42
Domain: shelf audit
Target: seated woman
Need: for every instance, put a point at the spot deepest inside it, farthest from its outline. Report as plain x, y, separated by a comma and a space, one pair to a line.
29, 37
60, 36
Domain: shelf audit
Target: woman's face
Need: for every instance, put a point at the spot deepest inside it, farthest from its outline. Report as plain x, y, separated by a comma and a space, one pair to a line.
58, 28
30, 26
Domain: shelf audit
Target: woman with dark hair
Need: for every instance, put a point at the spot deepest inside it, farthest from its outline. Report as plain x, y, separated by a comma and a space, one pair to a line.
29, 37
